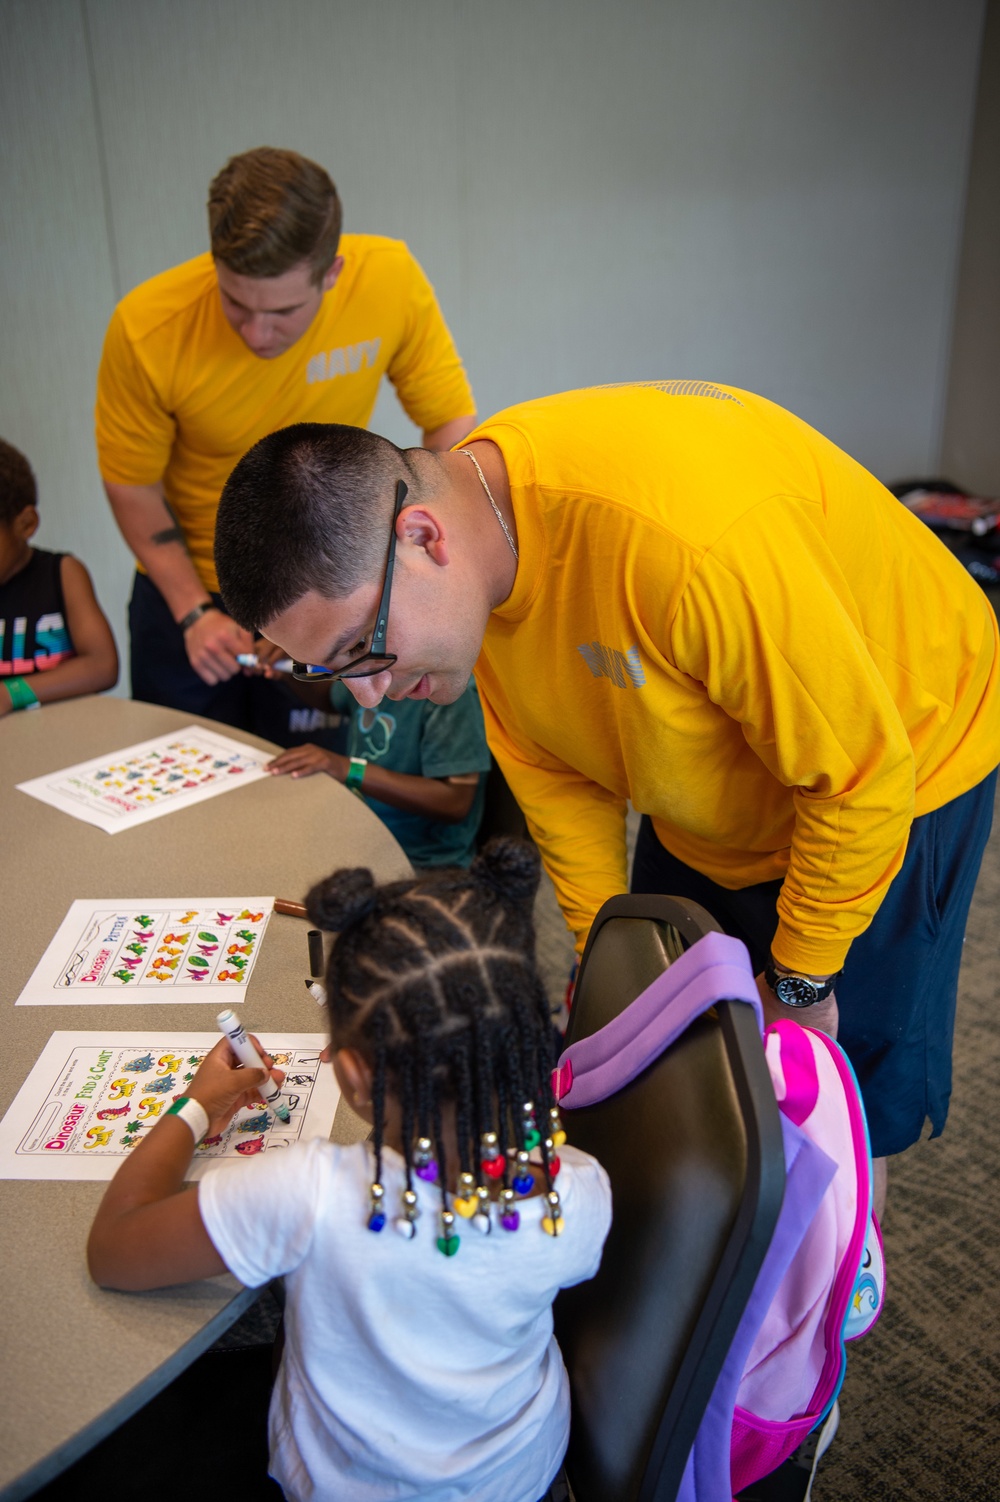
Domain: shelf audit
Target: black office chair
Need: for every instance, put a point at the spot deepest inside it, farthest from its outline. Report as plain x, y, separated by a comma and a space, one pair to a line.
693, 1148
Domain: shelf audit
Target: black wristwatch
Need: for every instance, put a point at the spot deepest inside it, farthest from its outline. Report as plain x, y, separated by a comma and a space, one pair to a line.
798, 990
195, 615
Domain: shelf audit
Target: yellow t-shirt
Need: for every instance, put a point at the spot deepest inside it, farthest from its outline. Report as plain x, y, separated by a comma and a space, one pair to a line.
720, 616
181, 398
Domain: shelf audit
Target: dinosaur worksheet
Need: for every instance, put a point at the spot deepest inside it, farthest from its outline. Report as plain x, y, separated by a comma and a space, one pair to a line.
92, 1095
124, 788
111, 952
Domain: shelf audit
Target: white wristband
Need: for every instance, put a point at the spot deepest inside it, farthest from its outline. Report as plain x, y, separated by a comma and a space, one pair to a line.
193, 1114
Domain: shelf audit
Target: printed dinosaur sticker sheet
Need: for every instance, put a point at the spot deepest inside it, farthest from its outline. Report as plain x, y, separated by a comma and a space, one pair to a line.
91, 1096
124, 788
150, 950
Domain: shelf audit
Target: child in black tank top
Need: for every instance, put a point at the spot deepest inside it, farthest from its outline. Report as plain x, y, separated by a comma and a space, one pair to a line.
55, 641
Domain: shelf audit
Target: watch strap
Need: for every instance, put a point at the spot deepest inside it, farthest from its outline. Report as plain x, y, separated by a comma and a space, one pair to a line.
193, 1114
195, 614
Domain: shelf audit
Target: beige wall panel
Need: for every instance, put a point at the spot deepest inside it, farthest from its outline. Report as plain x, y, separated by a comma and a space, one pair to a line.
56, 283
368, 90
768, 194
765, 194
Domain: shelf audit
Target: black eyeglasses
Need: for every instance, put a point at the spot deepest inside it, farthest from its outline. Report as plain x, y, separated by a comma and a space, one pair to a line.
375, 660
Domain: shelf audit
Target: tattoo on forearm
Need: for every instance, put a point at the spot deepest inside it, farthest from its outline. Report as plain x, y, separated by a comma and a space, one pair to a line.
169, 534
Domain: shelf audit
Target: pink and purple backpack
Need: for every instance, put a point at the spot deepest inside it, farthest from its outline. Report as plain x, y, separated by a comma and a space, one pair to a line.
822, 1280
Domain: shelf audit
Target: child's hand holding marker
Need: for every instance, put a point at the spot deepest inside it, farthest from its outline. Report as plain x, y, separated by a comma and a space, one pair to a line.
224, 1085
248, 1053
226, 1082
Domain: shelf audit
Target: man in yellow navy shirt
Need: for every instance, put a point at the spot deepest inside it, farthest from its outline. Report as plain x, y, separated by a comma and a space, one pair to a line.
284, 321
676, 594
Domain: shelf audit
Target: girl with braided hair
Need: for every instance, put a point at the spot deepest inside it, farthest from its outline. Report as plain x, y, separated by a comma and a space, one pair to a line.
421, 1266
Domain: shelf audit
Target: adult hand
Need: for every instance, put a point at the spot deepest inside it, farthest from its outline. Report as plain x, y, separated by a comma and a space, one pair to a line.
212, 643
223, 1087
823, 1015
304, 761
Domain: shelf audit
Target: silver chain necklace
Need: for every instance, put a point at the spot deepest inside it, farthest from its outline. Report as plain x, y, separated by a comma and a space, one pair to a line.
489, 496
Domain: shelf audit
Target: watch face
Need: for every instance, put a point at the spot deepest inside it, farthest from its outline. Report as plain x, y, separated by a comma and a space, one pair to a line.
796, 991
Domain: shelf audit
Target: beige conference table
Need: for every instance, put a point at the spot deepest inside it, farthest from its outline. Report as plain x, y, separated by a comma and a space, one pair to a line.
77, 1360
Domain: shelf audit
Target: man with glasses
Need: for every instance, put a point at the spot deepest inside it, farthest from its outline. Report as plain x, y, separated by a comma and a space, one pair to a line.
676, 594
421, 766
284, 320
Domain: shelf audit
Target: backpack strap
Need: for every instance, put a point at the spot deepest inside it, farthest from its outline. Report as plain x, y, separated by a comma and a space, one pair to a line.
707, 1476
715, 968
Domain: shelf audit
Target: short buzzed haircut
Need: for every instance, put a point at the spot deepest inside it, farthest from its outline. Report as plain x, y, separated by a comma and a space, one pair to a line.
307, 508
270, 210
18, 489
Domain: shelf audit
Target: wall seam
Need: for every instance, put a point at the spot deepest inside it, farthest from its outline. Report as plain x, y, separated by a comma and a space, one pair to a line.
102, 158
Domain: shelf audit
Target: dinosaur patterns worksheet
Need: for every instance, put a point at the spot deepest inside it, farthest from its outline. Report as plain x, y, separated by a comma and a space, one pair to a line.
150, 950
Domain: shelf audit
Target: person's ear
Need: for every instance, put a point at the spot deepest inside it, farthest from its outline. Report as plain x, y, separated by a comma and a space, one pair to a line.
330, 278
26, 524
354, 1076
424, 529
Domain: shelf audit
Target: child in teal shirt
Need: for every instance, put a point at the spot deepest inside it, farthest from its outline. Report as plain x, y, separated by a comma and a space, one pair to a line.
420, 766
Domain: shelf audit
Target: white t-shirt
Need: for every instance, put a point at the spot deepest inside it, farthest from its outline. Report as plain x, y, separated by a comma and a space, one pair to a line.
407, 1373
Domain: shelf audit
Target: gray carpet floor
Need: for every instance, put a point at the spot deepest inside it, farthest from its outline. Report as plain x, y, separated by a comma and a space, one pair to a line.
921, 1402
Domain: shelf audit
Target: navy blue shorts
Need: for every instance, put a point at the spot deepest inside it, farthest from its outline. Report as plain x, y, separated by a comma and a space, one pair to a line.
162, 674
898, 991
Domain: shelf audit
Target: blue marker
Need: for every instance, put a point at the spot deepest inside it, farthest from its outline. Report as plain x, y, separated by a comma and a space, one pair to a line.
232, 1027
249, 660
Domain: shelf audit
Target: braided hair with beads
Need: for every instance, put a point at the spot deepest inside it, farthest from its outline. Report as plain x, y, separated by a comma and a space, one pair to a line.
434, 982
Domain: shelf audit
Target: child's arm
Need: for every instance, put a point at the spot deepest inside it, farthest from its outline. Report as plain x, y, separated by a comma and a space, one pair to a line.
446, 798
95, 665
147, 1232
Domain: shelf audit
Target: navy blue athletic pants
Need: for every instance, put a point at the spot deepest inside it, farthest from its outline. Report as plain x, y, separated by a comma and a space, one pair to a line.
162, 674
898, 991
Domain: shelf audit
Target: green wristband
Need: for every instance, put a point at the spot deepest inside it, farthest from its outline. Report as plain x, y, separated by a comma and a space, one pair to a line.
192, 1113
356, 773
22, 695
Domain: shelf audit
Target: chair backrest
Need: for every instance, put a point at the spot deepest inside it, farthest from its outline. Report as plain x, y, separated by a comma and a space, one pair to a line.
693, 1148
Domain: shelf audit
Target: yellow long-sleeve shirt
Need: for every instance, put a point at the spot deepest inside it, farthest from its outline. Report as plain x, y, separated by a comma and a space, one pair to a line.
180, 397
720, 616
